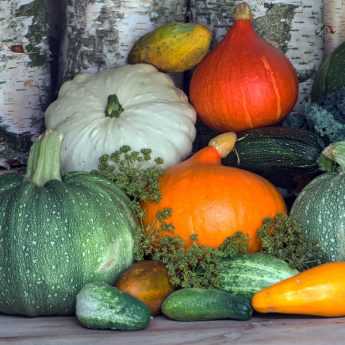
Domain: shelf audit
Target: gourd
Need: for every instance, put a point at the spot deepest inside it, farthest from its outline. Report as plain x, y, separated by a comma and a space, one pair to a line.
244, 82
196, 304
248, 274
101, 306
212, 202
319, 209
148, 281
289, 25
131, 105
318, 291
173, 47
59, 232
330, 76
283, 155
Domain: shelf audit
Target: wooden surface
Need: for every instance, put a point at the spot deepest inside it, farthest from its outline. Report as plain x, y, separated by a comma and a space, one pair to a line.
258, 331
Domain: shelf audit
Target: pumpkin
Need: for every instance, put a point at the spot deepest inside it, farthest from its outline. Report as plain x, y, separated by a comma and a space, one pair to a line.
211, 201
319, 208
148, 281
244, 82
58, 233
173, 47
318, 291
131, 105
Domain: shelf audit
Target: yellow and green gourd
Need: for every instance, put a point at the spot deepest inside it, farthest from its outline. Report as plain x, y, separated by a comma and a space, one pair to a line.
173, 47
59, 232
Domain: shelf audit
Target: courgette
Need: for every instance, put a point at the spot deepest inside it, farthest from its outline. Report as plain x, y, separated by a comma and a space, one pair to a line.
195, 304
278, 153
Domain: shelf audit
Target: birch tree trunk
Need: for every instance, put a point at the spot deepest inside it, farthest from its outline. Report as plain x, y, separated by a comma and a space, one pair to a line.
293, 25
24, 73
100, 33
334, 19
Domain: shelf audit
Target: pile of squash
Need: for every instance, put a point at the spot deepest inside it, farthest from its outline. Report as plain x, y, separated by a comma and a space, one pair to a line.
67, 234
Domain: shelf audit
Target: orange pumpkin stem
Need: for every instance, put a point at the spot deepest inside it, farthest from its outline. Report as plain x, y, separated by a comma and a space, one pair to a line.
224, 143
243, 12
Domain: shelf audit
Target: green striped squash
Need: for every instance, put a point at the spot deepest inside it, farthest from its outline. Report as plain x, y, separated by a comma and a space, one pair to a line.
320, 208
250, 273
58, 233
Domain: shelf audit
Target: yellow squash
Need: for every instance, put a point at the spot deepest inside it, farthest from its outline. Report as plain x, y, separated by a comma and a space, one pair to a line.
173, 47
319, 291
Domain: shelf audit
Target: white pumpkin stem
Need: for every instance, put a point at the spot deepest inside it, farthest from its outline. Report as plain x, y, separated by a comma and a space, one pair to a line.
224, 143
44, 162
114, 108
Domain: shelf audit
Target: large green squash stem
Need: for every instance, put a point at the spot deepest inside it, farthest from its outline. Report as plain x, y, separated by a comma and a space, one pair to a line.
333, 153
44, 162
114, 108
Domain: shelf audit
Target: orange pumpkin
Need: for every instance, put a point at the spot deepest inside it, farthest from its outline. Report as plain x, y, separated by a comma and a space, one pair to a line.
213, 201
318, 291
244, 82
147, 281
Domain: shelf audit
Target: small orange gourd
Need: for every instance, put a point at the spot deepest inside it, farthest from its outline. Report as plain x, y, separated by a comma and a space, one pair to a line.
318, 291
147, 281
244, 82
212, 201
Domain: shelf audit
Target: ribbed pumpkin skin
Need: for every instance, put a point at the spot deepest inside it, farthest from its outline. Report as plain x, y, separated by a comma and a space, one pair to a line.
244, 82
320, 211
213, 201
54, 239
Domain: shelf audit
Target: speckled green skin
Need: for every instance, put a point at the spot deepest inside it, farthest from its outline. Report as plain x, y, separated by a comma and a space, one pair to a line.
320, 211
194, 304
331, 75
56, 238
251, 273
101, 306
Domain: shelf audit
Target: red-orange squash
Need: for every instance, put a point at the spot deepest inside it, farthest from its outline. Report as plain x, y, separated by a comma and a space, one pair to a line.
318, 291
147, 281
213, 201
244, 82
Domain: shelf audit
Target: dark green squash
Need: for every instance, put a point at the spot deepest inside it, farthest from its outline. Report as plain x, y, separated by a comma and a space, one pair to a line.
278, 153
331, 75
320, 209
58, 233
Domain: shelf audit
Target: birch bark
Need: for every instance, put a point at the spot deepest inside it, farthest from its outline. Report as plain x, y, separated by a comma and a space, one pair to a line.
334, 20
24, 70
293, 25
100, 33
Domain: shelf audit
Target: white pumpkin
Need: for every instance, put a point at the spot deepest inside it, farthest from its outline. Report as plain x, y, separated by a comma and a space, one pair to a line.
151, 113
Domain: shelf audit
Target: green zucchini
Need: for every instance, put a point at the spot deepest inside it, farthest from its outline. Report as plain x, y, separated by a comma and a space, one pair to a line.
101, 306
250, 273
277, 152
193, 304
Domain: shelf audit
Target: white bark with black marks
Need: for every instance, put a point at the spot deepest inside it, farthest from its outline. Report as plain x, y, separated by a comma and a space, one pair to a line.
24, 67
334, 19
296, 26
100, 33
